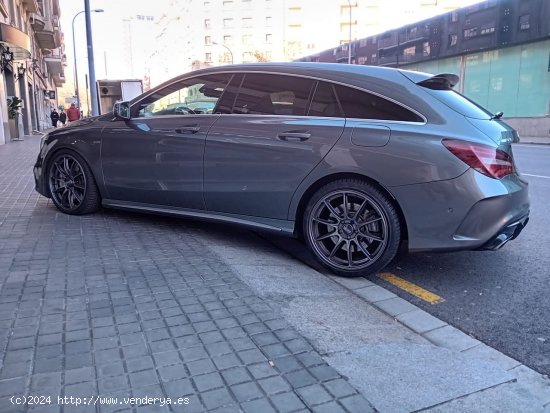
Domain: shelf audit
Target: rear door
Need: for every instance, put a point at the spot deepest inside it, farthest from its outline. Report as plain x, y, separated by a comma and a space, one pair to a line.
256, 158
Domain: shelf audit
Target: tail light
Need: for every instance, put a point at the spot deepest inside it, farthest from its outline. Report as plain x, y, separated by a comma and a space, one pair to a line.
488, 160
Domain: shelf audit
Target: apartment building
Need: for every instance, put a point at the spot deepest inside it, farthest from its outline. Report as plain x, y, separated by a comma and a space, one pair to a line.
32, 64
198, 33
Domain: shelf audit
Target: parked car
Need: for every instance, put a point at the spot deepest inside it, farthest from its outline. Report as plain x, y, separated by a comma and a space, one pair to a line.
354, 159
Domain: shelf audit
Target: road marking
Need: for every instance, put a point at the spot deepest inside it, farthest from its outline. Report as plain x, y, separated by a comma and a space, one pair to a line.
411, 288
537, 176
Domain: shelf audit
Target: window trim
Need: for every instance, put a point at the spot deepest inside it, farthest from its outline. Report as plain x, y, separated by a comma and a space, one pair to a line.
244, 72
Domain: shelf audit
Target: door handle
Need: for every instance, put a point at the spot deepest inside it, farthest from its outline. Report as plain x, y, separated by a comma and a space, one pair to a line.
294, 136
188, 129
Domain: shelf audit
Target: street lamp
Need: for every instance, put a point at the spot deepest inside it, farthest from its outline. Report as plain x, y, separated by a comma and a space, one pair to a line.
228, 49
74, 52
349, 43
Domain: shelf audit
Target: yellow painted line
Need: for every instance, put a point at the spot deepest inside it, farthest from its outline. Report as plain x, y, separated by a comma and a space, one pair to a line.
411, 288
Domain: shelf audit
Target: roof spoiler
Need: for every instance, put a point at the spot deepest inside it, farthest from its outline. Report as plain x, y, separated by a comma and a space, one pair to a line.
443, 81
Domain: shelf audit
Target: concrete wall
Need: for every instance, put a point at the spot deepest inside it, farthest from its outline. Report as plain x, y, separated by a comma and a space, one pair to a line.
537, 127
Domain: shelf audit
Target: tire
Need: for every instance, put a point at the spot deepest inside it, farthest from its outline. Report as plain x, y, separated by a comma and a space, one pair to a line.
352, 227
71, 184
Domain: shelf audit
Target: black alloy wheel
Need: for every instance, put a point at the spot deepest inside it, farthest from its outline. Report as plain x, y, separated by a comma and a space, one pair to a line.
71, 183
352, 227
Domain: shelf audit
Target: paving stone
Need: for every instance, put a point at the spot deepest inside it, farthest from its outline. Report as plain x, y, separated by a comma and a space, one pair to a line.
357, 404
226, 361
246, 391
339, 388
200, 367
208, 381
314, 394
256, 406
79, 375
215, 398
287, 402
274, 385
236, 375
173, 372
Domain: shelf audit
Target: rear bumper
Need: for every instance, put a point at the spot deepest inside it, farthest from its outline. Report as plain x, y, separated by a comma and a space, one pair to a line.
470, 212
507, 233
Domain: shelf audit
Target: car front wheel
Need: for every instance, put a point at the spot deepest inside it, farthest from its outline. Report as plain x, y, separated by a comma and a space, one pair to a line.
352, 227
71, 183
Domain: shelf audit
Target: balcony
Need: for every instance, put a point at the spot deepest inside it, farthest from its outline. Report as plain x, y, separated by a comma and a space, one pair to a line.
341, 53
55, 61
37, 22
31, 5
49, 37
58, 79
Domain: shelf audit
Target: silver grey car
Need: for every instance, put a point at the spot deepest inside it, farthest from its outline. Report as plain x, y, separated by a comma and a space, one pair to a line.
353, 159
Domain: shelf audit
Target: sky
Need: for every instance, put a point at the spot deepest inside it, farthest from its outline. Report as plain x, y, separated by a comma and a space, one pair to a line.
107, 31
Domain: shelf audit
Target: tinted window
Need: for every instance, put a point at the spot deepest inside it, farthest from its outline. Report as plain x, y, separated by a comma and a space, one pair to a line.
194, 96
324, 102
460, 103
364, 105
263, 94
227, 100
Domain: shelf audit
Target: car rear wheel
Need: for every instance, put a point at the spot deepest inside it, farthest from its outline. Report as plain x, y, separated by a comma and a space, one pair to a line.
72, 186
352, 227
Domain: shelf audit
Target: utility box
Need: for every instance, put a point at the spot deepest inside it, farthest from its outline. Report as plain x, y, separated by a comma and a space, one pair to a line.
111, 91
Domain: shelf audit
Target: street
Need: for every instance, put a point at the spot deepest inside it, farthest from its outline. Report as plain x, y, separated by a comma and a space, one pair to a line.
499, 297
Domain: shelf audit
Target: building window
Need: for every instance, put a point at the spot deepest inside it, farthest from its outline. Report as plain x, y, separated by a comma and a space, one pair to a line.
454, 16
247, 21
206, 4
247, 38
362, 60
487, 30
228, 4
524, 23
409, 51
208, 57
207, 40
453, 39
268, 21
207, 23
227, 39
426, 50
469, 33
268, 38
227, 23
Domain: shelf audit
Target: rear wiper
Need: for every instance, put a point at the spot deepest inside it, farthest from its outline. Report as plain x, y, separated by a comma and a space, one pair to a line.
497, 115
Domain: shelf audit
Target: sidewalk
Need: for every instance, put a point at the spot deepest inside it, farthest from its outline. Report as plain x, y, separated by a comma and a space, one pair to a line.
119, 304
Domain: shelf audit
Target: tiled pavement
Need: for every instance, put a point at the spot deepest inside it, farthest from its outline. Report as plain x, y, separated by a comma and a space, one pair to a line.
117, 304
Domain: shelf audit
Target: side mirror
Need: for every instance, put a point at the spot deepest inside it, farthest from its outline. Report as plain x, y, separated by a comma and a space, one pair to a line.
122, 110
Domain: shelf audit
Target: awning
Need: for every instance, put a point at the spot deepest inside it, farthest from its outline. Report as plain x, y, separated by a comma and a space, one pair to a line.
18, 42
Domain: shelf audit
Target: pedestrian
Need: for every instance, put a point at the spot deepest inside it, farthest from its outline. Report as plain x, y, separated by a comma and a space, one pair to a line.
54, 116
62, 117
73, 113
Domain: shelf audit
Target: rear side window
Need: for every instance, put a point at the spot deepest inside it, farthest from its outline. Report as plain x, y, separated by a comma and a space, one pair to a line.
266, 94
324, 102
363, 105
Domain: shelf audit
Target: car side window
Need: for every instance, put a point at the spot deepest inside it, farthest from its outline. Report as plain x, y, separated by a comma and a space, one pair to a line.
269, 94
324, 102
196, 96
363, 105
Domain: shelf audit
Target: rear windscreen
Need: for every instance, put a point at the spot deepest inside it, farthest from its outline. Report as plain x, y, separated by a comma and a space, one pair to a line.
460, 103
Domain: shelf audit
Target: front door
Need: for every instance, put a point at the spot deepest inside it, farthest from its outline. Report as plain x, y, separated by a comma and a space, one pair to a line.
156, 157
